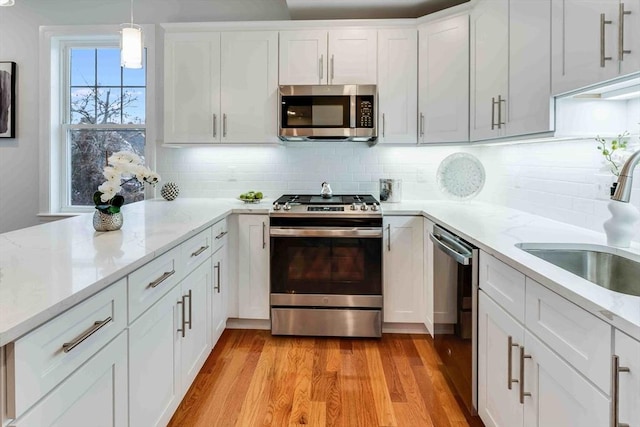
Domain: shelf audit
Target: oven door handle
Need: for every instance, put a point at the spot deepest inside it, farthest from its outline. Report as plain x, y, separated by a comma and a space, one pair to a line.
455, 250
345, 232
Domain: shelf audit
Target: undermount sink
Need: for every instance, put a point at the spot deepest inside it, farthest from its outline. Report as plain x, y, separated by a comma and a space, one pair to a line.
597, 264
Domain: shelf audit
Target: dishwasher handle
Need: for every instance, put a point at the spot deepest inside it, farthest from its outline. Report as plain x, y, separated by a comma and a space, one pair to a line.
454, 249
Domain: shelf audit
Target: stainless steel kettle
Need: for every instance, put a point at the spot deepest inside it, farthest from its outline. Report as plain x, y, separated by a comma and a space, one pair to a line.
326, 192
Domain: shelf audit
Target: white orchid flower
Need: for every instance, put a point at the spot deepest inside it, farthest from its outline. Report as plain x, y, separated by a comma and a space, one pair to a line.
109, 190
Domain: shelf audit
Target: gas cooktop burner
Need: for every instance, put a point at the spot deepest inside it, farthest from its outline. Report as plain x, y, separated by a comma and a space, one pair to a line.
345, 205
308, 199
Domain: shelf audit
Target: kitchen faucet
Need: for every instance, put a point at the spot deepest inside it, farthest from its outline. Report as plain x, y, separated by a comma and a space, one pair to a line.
625, 180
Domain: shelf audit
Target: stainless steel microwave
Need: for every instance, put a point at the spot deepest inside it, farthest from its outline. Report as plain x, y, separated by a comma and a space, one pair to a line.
328, 112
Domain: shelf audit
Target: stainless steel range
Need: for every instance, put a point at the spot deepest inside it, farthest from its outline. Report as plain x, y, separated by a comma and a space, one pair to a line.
326, 266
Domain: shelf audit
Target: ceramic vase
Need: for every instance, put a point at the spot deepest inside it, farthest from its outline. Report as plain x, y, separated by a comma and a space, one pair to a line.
107, 222
620, 227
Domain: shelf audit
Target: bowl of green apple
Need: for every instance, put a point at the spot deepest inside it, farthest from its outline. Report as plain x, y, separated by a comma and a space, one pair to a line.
251, 197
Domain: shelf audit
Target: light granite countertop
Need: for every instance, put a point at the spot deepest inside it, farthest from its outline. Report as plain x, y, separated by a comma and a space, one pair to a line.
47, 269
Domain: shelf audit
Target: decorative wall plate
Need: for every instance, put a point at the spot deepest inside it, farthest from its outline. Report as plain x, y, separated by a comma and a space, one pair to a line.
460, 176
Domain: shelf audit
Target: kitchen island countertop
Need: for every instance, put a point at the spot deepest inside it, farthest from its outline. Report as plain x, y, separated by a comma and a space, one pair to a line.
48, 268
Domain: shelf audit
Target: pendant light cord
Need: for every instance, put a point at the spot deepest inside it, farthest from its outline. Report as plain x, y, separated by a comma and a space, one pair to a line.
131, 13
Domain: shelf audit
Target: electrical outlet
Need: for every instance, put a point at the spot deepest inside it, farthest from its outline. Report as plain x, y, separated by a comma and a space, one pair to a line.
421, 175
603, 186
232, 174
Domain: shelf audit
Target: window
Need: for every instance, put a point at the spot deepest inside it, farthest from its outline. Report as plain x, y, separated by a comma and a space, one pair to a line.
104, 112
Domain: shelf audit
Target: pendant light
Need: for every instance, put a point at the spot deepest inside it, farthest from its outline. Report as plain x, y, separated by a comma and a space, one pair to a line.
7, 2
130, 44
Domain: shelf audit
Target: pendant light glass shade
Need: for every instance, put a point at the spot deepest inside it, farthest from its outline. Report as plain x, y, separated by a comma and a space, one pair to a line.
131, 46
7, 2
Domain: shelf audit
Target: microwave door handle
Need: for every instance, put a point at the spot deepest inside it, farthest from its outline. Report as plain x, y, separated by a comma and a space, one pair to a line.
352, 125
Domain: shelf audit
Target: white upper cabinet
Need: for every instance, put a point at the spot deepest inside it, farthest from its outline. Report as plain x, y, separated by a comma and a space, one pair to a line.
594, 41
346, 56
444, 81
510, 68
221, 87
192, 88
397, 85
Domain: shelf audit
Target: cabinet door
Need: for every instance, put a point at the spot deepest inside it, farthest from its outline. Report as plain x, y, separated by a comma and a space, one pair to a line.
95, 394
192, 88
629, 37
499, 339
196, 343
489, 68
528, 107
249, 85
559, 395
352, 57
303, 57
403, 269
444, 81
397, 86
580, 42
428, 277
628, 351
253, 267
219, 294
154, 363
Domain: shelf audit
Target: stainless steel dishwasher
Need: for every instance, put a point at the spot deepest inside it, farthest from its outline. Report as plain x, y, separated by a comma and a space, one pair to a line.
455, 294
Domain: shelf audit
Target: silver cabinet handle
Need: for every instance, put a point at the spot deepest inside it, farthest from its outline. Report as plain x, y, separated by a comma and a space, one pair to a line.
493, 113
190, 308
603, 22
383, 125
522, 357
199, 251
224, 125
217, 268
621, 50
332, 68
500, 101
162, 278
388, 237
264, 239
215, 125
221, 235
510, 345
68, 346
321, 67
615, 391
421, 124
183, 329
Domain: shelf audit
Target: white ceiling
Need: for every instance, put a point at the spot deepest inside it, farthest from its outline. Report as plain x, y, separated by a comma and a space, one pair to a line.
365, 9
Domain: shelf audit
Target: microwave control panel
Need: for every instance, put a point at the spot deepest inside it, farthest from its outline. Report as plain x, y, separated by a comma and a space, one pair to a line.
364, 111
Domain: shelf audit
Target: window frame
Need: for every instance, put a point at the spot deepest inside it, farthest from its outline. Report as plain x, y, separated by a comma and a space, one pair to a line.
55, 45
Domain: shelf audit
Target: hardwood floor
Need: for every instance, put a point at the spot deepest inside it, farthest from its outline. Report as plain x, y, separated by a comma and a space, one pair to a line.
254, 379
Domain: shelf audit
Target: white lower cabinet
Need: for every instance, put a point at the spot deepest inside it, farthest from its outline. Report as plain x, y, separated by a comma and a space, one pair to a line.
499, 339
219, 294
253, 266
627, 393
154, 363
97, 391
428, 277
403, 259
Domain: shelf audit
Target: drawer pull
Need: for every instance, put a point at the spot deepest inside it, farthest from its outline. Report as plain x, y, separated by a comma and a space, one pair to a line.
221, 235
68, 346
162, 278
615, 391
523, 356
199, 251
510, 345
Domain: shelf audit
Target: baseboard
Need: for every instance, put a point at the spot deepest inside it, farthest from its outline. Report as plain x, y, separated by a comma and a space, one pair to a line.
248, 324
404, 328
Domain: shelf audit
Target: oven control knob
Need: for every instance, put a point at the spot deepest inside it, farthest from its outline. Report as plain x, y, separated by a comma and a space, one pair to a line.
353, 206
276, 206
375, 207
287, 206
364, 207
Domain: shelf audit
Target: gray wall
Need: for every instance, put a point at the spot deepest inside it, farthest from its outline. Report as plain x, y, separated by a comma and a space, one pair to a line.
19, 32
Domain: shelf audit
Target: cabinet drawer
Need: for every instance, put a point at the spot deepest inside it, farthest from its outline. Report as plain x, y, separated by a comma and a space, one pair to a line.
576, 335
151, 281
502, 283
219, 232
196, 249
40, 360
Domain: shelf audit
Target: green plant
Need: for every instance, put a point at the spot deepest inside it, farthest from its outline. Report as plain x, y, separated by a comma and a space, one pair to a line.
613, 160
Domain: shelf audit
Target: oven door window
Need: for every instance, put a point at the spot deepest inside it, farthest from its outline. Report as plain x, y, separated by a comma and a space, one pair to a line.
316, 111
339, 266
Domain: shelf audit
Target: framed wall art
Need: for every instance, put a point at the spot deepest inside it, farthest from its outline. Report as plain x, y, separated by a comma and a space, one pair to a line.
7, 99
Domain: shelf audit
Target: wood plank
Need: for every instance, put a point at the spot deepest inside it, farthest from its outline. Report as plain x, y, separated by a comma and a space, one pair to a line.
252, 378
